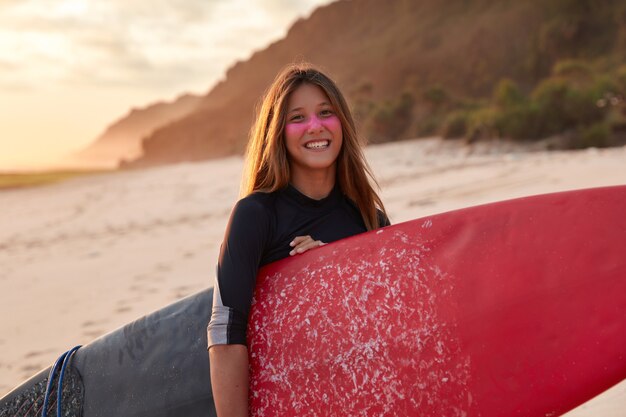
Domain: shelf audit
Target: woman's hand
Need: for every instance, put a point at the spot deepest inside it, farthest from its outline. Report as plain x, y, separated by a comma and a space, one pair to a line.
302, 244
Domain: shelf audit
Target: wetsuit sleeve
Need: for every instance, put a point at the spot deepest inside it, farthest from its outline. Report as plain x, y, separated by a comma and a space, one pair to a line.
240, 256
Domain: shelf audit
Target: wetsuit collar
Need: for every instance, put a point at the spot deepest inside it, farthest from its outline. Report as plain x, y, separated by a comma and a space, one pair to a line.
333, 197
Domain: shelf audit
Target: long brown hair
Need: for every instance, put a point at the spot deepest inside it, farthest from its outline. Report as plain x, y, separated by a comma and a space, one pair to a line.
267, 166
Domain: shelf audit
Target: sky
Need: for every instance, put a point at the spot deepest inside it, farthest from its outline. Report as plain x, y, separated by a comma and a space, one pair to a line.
69, 68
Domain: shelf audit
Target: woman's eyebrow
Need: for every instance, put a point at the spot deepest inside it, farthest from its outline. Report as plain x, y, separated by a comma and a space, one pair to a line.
323, 103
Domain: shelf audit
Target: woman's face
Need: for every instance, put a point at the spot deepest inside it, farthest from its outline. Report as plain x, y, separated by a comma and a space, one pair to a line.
313, 134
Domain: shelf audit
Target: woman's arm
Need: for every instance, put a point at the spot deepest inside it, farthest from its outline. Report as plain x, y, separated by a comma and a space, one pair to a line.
229, 379
240, 256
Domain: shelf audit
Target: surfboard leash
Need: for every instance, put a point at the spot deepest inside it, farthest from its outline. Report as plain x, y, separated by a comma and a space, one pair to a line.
63, 360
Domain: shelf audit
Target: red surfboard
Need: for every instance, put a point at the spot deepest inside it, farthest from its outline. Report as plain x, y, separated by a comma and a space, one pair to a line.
516, 308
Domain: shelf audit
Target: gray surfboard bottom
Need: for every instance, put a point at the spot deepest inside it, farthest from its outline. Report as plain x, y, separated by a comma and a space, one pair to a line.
155, 366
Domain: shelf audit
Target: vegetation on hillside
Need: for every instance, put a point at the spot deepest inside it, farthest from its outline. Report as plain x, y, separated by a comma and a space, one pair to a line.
576, 95
577, 106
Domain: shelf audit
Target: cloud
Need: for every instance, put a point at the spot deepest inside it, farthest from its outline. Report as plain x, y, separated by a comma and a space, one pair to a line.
95, 58
285, 10
140, 42
183, 11
5, 4
7, 65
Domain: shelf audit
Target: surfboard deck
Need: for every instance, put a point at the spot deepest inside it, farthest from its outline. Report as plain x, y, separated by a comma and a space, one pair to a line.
514, 308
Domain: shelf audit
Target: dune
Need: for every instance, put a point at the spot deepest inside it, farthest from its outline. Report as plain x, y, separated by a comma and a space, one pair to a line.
82, 257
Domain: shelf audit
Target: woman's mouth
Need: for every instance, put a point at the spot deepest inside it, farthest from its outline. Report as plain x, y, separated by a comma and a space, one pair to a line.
317, 144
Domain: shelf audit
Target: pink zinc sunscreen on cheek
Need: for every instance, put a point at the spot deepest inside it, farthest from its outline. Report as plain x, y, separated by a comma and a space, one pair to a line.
331, 123
295, 129
298, 129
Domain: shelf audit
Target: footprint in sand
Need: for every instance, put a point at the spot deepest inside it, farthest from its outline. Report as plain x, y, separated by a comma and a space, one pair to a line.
93, 333
122, 308
141, 277
163, 267
180, 292
35, 353
157, 278
91, 323
30, 369
420, 203
91, 329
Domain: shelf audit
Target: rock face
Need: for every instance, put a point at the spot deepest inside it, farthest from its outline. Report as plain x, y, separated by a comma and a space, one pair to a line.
396, 61
122, 139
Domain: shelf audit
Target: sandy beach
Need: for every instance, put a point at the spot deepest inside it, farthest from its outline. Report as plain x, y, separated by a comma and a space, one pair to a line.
85, 256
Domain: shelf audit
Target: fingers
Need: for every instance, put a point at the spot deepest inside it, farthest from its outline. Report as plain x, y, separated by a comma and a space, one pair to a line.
302, 244
299, 239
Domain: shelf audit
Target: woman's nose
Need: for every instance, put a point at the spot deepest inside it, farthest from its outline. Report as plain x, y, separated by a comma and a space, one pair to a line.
315, 125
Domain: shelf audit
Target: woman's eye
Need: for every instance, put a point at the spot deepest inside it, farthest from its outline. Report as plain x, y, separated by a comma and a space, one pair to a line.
326, 113
296, 118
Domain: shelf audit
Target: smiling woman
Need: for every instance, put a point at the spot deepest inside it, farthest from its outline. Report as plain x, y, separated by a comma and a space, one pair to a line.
268, 166
306, 184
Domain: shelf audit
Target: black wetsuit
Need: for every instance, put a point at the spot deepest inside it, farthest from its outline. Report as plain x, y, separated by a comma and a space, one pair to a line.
259, 231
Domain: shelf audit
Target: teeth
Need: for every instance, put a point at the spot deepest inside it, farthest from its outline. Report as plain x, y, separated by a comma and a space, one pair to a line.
318, 145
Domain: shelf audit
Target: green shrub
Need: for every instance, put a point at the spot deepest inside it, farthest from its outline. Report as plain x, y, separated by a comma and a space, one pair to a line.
522, 122
597, 135
605, 85
550, 96
455, 124
428, 126
580, 107
482, 124
549, 93
391, 118
436, 96
507, 94
573, 69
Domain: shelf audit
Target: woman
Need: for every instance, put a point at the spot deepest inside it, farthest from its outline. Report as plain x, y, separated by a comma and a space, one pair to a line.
306, 183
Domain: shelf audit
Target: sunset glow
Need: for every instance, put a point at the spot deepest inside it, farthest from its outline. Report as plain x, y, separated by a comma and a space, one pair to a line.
70, 68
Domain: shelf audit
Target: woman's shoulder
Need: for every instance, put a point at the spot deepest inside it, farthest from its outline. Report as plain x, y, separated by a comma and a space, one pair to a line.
257, 203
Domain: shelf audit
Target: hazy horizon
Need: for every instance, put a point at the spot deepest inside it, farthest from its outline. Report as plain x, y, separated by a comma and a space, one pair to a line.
70, 68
